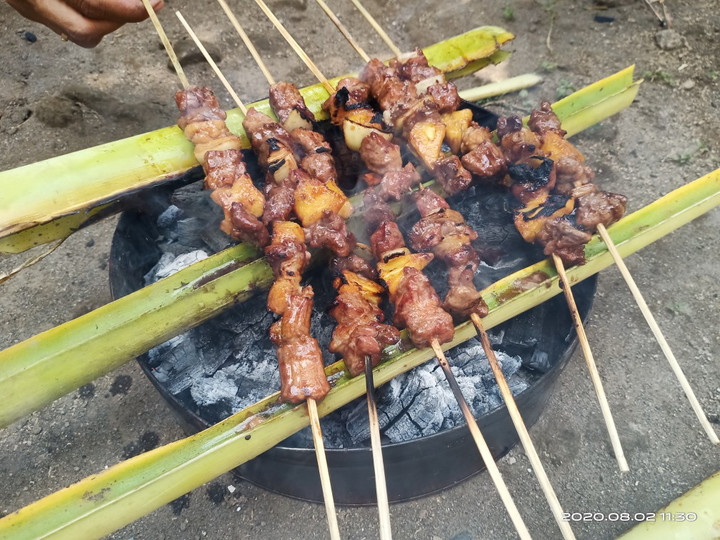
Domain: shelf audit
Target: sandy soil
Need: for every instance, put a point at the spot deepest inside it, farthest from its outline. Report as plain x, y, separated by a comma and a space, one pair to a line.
56, 98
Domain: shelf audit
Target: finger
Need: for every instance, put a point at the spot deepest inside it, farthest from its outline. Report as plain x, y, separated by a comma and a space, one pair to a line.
64, 20
114, 10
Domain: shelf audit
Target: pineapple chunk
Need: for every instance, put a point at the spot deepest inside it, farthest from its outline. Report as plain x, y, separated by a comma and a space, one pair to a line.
346, 209
369, 289
391, 268
287, 230
530, 220
242, 191
555, 146
280, 163
426, 140
358, 124
296, 120
312, 197
455, 125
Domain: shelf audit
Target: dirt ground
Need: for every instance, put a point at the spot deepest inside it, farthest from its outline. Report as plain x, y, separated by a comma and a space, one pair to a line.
56, 98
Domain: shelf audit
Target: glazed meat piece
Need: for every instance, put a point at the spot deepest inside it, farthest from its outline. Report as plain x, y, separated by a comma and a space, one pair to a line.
360, 331
222, 167
418, 307
330, 232
395, 98
561, 238
544, 119
595, 206
445, 95
375, 209
354, 263
317, 158
351, 94
463, 299
396, 184
485, 160
415, 68
571, 174
518, 143
475, 135
375, 73
424, 109
197, 104
531, 181
266, 136
507, 125
288, 258
247, 227
280, 198
380, 155
428, 202
386, 238
285, 98
451, 175
302, 372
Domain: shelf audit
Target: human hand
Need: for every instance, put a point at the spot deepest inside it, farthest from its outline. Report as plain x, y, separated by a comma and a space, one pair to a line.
84, 22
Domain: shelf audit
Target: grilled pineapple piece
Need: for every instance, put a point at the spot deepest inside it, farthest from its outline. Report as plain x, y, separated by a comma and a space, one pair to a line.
312, 197
555, 146
391, 267
280, 163
455, 125
531, 219
358, 124
296, 120
426, 140
287, 230
369, 289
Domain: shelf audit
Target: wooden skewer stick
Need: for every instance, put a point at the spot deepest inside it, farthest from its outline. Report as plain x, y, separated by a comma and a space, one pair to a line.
212, 63
522, 431
481, 444
343, 30
294, 44
590, 360
378, 463
652, 323
166, 43
247, 42
323, 468
369, 18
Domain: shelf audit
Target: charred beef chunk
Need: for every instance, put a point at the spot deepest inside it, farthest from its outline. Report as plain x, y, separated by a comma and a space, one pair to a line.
247, 227
284, 98
518, 146
544, 119
486, 161
463, 299
571, 174
302, 372
280, 198
317, 158
222, 167
375, 209
445, 95
595, 207
380, 155
418, 307
396, 184
507, 125
428, 202
451, 175
415, 68
530, 181
374, 74
330, 232
395, 98
353, 263
197, 104
561, 238
265, 135
386, 238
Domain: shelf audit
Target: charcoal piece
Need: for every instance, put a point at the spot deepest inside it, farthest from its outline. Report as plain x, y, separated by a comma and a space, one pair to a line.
169, 217
403, 429
539, 361
169, 264
179, 367
190, 230
218, 389
214, 239
193, 200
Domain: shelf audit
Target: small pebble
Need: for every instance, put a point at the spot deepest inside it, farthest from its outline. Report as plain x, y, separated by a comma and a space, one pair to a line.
688, 84
29, 36
669, 40
231, 488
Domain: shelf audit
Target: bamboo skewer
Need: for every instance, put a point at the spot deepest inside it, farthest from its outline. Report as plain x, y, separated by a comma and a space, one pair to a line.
522, 431
592, 367
343, 30
212, 63
652, 323
376, 444
294, 44
247, 42
369, 18
166, 43
481, 444
323, 469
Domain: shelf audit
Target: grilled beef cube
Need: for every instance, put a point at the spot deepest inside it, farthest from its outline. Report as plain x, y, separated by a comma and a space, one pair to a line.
330, 232
561, 238
544, 119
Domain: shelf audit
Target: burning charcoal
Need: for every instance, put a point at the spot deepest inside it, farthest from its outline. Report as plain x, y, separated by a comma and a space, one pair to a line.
190, 230
214, 238
179, 367
215, 348
169, 264
168, 218
539, 361
211, 391
403, 429
193, 200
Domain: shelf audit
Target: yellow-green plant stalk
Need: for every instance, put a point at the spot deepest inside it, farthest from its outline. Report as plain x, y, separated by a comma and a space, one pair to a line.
694, 515
15, 370
57, 361
81, 180
106, 501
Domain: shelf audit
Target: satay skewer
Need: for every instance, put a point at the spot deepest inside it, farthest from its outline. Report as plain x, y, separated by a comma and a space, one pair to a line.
652, 323
383, 35
374, 423
166, 43
343, 30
